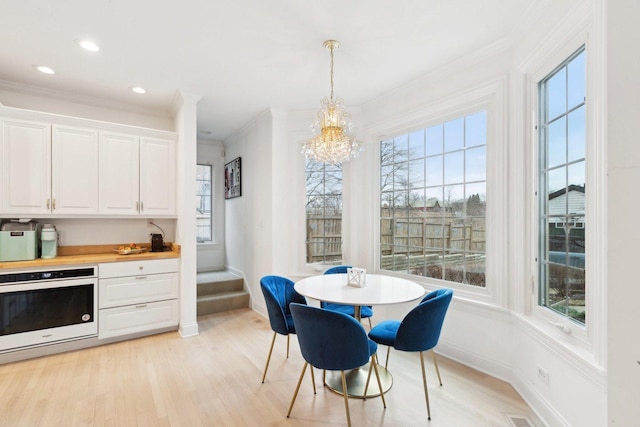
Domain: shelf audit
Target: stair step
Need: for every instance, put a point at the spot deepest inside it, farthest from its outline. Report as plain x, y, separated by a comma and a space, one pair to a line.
216, 282
224, 301
216, 276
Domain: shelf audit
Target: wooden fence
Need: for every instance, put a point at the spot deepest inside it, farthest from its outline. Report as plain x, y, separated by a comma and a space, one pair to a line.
412, 238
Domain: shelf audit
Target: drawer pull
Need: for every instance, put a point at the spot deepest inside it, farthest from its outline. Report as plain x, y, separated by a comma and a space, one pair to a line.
141, 305
140, 277
47, 336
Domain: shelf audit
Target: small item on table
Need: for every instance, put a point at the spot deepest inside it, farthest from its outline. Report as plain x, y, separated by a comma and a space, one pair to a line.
357, 277
129, 249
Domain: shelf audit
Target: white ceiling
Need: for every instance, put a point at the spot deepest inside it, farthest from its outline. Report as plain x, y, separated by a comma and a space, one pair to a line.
243, 56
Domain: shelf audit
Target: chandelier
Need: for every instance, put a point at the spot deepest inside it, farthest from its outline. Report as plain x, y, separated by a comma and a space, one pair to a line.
333, 144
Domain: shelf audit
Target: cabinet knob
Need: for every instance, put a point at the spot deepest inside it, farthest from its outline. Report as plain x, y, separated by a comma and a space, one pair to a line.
141, 267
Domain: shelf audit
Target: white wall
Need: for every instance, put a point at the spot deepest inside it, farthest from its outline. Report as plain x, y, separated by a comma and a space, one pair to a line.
249, 218
87, 231
623, 154
73, 105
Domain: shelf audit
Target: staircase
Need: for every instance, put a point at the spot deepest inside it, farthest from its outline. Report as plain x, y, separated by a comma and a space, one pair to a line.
220, 291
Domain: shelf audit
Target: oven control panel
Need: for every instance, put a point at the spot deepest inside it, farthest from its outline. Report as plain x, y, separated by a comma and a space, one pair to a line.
36, 276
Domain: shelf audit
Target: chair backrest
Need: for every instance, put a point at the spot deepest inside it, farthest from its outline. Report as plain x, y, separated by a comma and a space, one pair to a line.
278, 294
420, 328
329, 339
338, 269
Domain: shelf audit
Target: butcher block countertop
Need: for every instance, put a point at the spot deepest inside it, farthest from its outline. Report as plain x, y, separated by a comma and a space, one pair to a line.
94, 254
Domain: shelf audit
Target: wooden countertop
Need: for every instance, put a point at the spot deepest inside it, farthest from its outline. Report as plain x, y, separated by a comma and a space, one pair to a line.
74, 255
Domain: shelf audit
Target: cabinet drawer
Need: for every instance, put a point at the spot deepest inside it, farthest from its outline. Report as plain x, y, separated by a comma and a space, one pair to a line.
133, 268
113, 322
121, 291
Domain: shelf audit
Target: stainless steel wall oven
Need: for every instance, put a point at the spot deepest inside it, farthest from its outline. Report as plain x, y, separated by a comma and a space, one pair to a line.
44, 306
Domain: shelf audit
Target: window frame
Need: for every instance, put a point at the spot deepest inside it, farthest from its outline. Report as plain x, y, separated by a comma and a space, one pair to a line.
423, 159
491, 97
211, 207
589, 337
543, 170
324, 195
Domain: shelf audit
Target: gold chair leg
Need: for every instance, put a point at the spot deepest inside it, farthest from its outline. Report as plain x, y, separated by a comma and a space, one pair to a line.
288, 336
295, 394
366, 385
435, 362
386, 362
424, 381
269, 357
370, 325
324, 377
313, 380
375, 367
346, 398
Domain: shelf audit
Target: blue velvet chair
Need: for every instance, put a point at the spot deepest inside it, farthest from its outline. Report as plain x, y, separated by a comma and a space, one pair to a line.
332, 341
419, 331
278, 294
366, 311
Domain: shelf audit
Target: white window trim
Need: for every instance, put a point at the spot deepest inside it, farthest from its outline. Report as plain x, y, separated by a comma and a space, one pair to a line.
588, 340
492, 98
211, 224
299, 265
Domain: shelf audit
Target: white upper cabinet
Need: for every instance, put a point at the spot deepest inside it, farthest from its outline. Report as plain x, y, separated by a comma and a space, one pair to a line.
70, 166
137, 175
157, 176
119, 174
48, 169
74, 186
26, 167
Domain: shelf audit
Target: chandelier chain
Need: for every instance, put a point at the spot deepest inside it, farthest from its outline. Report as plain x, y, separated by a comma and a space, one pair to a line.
331, 72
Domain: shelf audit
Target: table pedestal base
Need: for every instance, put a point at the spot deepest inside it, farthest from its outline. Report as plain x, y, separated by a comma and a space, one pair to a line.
357, 379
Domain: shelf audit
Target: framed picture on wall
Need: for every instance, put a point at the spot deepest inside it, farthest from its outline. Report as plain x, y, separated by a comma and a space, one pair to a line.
232, 187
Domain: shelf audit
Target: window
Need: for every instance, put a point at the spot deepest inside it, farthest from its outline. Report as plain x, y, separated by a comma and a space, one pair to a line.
324, 212
203, 204
433, 201
562, 165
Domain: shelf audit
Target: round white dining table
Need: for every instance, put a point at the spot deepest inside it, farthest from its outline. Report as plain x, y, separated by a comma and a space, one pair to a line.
379, 289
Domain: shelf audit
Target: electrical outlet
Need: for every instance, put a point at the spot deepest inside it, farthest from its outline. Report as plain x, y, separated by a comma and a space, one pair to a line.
543, 374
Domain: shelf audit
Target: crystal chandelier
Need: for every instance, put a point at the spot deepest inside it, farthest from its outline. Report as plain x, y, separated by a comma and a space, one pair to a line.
333, 144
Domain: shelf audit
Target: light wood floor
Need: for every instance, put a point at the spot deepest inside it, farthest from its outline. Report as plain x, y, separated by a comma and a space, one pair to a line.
214, 380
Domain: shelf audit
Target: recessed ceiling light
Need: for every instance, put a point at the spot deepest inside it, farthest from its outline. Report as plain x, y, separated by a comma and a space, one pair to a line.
138, 89
44, 69
88, 45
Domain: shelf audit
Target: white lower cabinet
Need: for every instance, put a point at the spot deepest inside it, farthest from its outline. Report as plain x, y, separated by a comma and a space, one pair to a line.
137, 296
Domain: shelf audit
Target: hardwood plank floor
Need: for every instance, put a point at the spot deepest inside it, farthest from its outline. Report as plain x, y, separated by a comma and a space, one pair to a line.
214, 379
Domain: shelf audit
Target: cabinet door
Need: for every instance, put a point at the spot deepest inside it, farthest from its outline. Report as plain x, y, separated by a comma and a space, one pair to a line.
26, 167
74, 170
157, 177
131, 319
119, 188
120, 291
